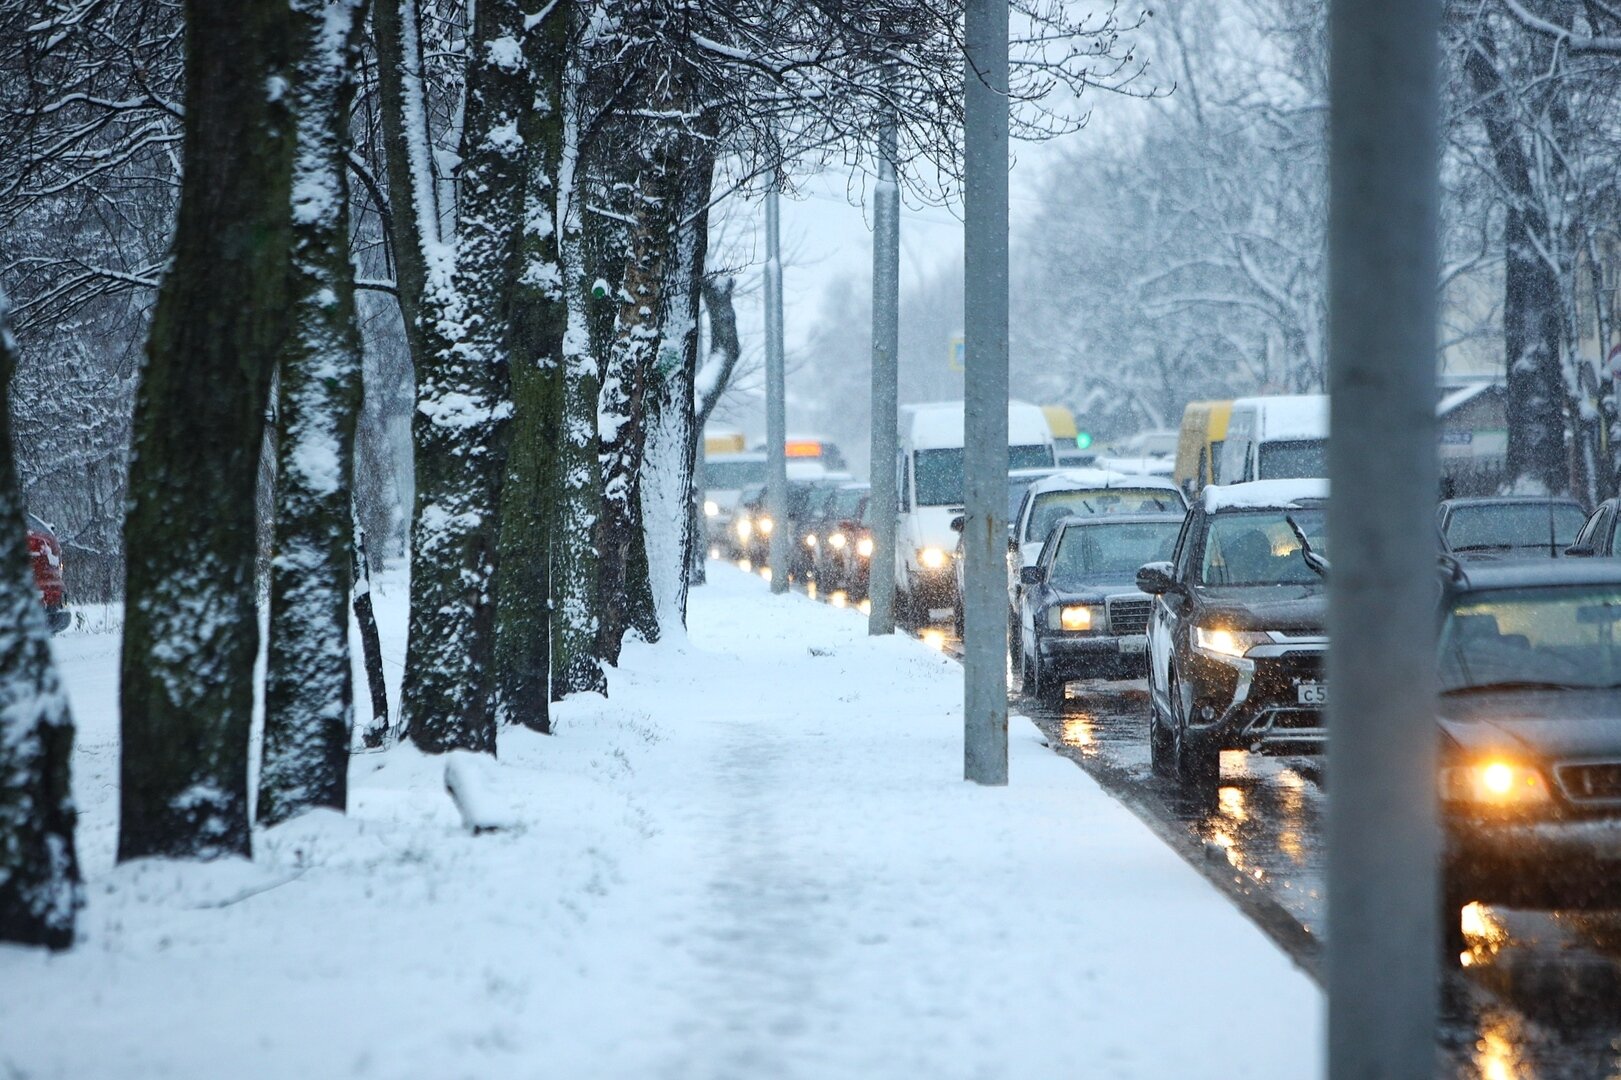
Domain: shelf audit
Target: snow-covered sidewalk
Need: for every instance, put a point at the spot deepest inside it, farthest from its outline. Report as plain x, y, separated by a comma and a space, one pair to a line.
756, 860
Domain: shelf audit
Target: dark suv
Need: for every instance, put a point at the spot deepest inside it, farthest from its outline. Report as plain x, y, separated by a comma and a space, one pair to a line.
1235, 638
1530, 718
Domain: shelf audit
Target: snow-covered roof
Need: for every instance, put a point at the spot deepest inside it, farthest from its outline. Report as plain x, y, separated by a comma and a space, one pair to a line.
1289, 416
1138, 466
1085, 479
1462, 396
939, 425
1263, 494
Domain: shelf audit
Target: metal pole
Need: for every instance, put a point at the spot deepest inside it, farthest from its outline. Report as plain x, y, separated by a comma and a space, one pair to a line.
776, 427
1383, 841
985, 390
886, 298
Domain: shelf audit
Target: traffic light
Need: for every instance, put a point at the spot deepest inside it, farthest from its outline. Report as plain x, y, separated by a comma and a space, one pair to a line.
1083, 440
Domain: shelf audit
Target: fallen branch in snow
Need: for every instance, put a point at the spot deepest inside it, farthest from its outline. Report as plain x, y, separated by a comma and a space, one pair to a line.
246, 894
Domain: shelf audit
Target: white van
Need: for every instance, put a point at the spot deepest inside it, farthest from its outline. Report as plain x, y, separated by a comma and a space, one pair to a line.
1276, 438
931, 495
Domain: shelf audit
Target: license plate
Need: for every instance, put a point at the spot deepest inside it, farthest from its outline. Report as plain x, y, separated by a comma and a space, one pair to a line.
1132, 644
1312, 693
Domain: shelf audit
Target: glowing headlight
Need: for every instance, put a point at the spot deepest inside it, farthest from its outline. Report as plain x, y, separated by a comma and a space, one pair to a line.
810, 541
745, 529
1496, 782
1221, 642
764, 525
837, 541
711, 508
1074, 617
864, 547
931, 558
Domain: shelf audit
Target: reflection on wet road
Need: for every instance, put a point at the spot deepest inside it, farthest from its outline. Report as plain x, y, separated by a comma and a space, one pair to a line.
1539, 997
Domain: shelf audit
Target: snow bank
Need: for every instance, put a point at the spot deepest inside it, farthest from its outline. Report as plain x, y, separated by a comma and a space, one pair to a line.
1263, 494
757, 860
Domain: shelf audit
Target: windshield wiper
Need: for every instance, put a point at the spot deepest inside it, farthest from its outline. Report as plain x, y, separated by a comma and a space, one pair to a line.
1515, 684
1307, 552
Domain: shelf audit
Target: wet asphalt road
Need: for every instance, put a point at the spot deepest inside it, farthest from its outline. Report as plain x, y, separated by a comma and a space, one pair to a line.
1540, 995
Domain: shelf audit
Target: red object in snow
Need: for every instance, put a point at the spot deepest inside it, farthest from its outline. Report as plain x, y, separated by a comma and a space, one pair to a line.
45, 551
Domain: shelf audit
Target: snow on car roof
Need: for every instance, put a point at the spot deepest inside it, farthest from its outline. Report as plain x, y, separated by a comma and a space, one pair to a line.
1081, 479
1263, 494
1289, 416
939, 425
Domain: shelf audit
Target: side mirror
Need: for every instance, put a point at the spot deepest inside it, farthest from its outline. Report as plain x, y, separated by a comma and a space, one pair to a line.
1032, 575
1156, 578
958, 522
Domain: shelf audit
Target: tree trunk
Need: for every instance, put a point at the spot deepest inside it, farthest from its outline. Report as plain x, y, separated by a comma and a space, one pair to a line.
377, 733
461, 425
309, 708
191, 618
539, 321
413, 211
1537, 457
40, 894
576, 667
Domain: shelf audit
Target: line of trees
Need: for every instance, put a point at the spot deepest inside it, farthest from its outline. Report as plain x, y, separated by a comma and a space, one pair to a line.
529, 185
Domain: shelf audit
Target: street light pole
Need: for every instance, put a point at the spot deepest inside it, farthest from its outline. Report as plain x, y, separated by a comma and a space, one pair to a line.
1383, 841
886, 290
776, 433
985, 390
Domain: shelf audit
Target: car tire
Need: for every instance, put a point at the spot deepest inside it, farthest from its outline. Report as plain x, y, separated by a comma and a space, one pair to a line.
1160, 759
1196, 762
1049, 690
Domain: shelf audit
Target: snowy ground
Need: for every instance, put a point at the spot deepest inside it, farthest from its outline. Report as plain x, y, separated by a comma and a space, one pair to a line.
756, 860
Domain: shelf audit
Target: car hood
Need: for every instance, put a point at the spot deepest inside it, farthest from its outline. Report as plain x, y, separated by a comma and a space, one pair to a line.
1295, 608
1095, 592
1547, 724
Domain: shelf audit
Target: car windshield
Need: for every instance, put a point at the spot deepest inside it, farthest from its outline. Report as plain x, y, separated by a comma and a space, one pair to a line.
1562, 635
1294, 460
1514, 525
1051, 507
731, 475
1110, 551
846, 504
1257, 547
938, 473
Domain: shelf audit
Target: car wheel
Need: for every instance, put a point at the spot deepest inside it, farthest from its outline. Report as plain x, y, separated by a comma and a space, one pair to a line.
1159, 739
1197, 763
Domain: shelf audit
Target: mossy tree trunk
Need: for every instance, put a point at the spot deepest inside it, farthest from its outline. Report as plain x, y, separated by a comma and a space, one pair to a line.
539, 317
40, 893
462, 422
191, 617
309, 711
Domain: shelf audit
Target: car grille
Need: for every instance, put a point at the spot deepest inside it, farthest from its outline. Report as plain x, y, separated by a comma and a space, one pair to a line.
1597, 781
1129, 614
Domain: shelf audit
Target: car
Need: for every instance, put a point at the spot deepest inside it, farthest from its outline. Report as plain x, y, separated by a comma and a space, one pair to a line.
725, 478
1199, 442
835, 555
1079, 491
806, 502
45, 553
1507, 526
1529, 662
1236, 636
1275, 438
1081, 615
1597, 537
1018, 482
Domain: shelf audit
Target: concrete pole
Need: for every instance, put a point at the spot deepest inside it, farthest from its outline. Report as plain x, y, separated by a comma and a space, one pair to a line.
886, 300
985, 390
1383, 841
776, 427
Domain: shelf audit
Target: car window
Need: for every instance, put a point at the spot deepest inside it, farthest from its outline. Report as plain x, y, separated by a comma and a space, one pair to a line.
726, 475
1566, 635
1182, 555
1048, 508
1488, 526
1293, 459
1109, 552
1259, 548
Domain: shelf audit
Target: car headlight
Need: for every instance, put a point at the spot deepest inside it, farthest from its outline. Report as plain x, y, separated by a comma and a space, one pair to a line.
745, 529
764, 525
1494, 782
810, 541
1222, 643
711, 508
1072, 617
864, 547
837, 541
931, 558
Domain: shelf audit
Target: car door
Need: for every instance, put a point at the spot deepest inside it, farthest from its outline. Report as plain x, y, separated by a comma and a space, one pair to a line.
1033, 598
1170, 610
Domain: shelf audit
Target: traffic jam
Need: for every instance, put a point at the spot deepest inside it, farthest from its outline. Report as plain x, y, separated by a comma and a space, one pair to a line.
1166, 630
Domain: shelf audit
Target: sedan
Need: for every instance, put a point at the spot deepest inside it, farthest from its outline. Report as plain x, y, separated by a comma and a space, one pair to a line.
1509, 526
